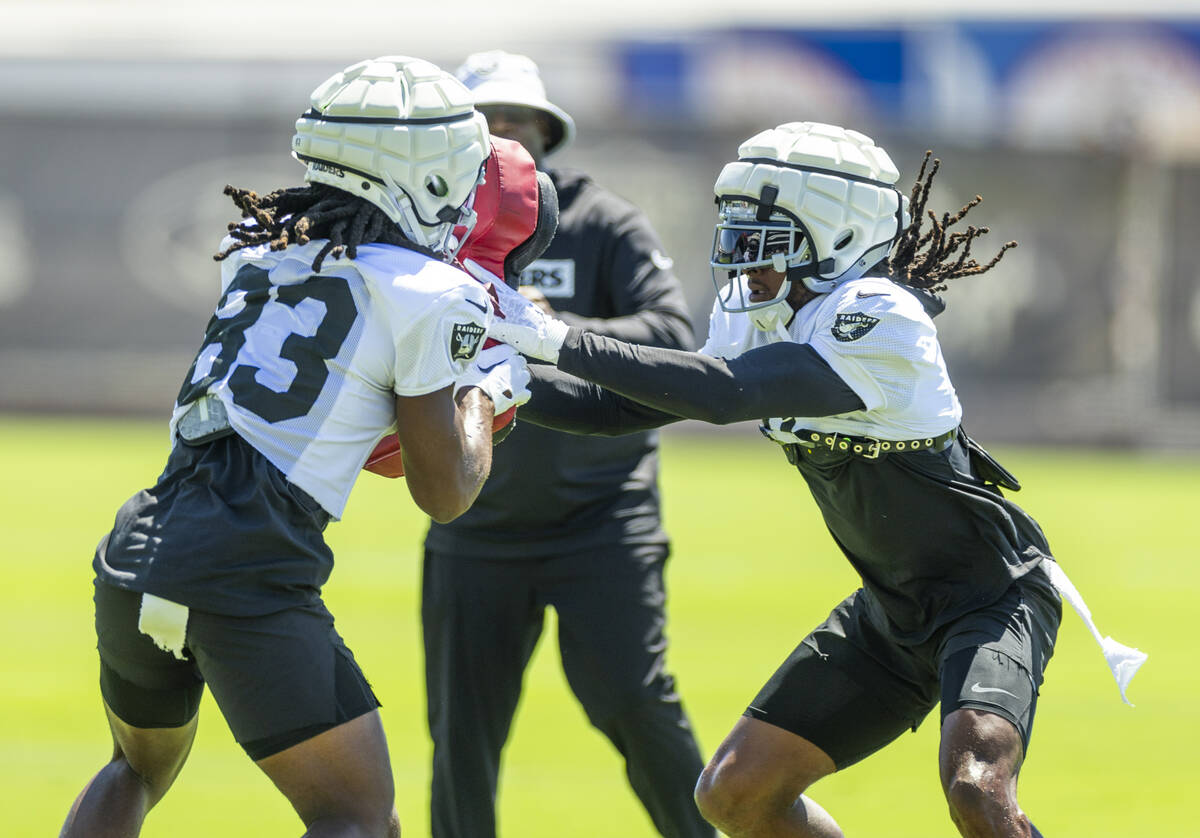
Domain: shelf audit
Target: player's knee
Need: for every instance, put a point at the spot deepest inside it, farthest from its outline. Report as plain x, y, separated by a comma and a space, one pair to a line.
134, 784
378, 818
979, 798
153, 759
355, 811
966, 797
358, 826
357, 817
725, 795
712, 797
980, 756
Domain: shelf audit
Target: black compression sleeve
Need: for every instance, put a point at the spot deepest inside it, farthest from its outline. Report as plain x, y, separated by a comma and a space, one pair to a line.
780, 379
566, 403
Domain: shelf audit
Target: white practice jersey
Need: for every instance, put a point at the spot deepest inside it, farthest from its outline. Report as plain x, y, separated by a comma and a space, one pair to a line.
308, 366
879, 340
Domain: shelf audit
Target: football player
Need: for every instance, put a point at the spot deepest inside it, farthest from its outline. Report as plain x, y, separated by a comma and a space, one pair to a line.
826, 286
340, 322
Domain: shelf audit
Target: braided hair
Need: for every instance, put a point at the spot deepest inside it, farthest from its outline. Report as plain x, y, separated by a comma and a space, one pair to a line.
298, 214
932, 268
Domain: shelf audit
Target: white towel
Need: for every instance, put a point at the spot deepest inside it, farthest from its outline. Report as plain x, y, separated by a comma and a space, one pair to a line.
1122, 660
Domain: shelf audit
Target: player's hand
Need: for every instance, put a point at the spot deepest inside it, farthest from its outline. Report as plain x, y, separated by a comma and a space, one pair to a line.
519, 322
502, 374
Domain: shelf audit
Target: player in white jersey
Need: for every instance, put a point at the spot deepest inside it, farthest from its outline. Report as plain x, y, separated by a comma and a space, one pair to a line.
826, 286
341, 322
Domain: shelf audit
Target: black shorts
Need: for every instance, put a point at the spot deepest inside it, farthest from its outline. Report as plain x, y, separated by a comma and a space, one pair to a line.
278, 679
850, 688
222, 531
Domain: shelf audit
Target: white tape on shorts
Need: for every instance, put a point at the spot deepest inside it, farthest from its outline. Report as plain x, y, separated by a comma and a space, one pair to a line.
164, 622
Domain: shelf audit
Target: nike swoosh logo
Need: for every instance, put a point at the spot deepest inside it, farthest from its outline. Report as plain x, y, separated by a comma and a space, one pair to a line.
481, 306
975, 688
863, 296
492, 367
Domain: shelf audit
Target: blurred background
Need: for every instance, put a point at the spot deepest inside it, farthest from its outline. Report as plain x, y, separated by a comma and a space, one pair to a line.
120, 123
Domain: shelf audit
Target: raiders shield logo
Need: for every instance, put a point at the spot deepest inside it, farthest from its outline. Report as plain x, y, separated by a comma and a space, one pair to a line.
852, 325
465, 340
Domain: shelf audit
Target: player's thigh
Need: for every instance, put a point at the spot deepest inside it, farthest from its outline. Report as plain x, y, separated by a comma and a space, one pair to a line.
342, 773
151, 697
846, 688
611, 607
760, 761
994, 659
279, 679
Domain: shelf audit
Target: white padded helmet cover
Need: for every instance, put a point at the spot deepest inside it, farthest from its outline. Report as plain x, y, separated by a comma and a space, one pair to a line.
401, 133
837, 182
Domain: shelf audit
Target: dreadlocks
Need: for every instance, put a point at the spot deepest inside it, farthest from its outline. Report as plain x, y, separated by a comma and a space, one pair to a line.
301, 213
931, 269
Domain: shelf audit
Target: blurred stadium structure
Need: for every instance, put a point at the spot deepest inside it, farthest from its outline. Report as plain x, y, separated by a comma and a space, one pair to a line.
120, 127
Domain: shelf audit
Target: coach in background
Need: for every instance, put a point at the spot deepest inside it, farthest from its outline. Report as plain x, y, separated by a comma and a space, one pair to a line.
566, 521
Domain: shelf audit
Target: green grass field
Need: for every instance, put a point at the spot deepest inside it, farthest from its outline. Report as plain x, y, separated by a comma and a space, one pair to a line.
753, 569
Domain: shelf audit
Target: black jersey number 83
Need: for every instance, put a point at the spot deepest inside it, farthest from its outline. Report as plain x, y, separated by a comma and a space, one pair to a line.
309, 352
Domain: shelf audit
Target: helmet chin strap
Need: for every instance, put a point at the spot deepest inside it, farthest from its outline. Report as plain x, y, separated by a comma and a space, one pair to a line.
467, 218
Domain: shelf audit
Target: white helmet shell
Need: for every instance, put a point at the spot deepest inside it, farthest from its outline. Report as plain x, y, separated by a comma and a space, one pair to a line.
831, 187
401, 133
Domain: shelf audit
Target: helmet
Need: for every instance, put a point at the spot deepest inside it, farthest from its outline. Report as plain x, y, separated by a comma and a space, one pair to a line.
813, 201
497, 77
403, 134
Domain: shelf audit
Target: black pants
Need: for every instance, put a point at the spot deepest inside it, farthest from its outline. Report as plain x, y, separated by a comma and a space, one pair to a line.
482, 619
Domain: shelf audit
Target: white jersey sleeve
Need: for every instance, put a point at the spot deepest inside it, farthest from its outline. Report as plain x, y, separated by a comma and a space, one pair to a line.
438, 320
878, 338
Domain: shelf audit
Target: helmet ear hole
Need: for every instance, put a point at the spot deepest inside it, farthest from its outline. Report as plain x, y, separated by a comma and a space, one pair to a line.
436, 186
844, 240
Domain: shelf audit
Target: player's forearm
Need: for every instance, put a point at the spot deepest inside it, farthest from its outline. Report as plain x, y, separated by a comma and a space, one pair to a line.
563, 402
784, 379
664, 327
444, 479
